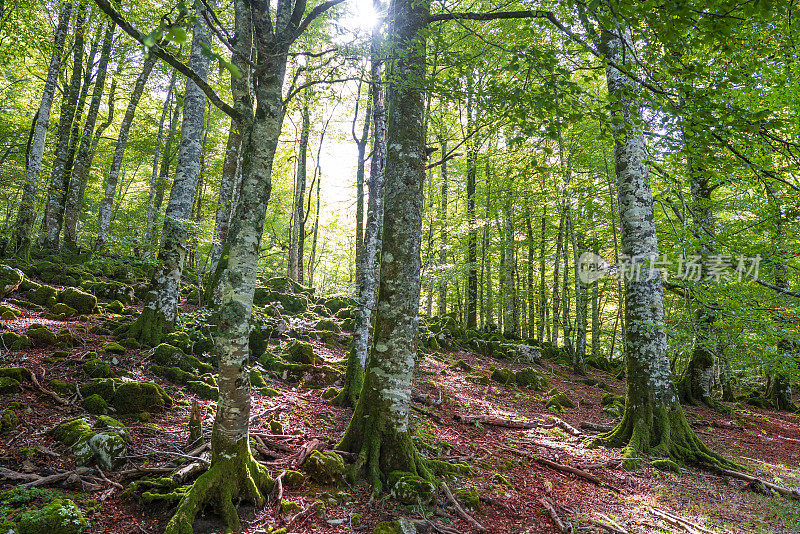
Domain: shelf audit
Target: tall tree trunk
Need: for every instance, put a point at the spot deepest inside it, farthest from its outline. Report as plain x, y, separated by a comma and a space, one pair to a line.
486, 257
361, 146
578, 247
378, 431
370, 269
566, 321
161, 309
542, 285
654, 422
163, 173
312, 259
442, 307
510, 315
298, 215
151, 197
556, 293
596, 308
54, 210
531, 293
106, 207
80, 168
21, 237
471, 293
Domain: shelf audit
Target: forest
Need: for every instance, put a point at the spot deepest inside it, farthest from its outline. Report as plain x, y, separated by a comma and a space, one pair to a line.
399, 266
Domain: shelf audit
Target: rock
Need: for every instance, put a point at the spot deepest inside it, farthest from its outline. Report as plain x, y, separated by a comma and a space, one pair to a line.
293, 479
270, 392
138, 397
83, 302
7, 313
301, 352
60, 516
95, 404
40, 335
8, 385
504, 376
10, 279
531, 379
14, 341
171, 356
469, 498
105, 387
203, 390
179, 340
59, 310
20, 374
558, 400
289, 508
115, 306
96, 368
62, 388
411, 489
324, 467
8, 421
106, 448
526, 353
109, 450
400, 526
256, 379
111, 290
330, 393
275, 427
292, 304
43, 295
328, 325
114, 348
461, 365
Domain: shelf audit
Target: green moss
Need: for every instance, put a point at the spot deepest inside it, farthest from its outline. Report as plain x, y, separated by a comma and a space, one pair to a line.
328, 325
289, 507
275, 427
330, 393
8, 421
71, 431
292, 304
83, 302
256, 379
115, 306
173, 374
95, 404
272, 362
461, 365
401, 526
58, 517
171, 356
137, 397
610, 398
293, 479
109, 423
40, 335
20, 374
8, 385
469, 498
43, 296
531, 379
301, 352
503, 376
63, 310
8, 313
62, 388
324, 467
180, 340
105, 387
666, 465
270, 392
96, 368
10, 279
558, 401
616, 409
411, 489
113, 348
130, 343
203, 390
337, 302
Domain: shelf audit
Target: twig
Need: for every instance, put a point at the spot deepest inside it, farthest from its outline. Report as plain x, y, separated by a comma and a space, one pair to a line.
459, 510
105, 478
302, 513
676, 521
782, 490
554, 516
594, 427
495, 421
566, 427
563, 468
609, 524
53, 394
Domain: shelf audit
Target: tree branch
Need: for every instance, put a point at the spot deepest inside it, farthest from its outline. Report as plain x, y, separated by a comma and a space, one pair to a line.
105, 6
316, 12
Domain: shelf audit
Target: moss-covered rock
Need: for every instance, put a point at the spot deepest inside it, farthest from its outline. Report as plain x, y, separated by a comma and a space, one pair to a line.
60, 516
324, 467
111, 290
469, 498
411, 489
105, 387
115, 306
270, 392
8, 385
610, 398
330, 393
109, 449
60, 311
337, 302
97, 368
20, 374
503, 376
180, 340
137, 397
43, 295
114, 348
328, 325
256, 378
557, 400
293, 479
83, 302
171, 356
301, 352
203, 390
10, 279
461, 365
292, 304
71, 431
62, 388
289, 508
95, 404
7, 313
40, 335
8, 420
531, 379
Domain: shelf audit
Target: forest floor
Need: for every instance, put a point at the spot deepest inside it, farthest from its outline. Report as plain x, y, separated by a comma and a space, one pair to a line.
505, 473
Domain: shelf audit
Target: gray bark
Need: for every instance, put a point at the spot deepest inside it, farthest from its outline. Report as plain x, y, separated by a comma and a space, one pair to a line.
471, 293
80, 168
163, 175
442, 307
106, 207
298, 212
596, 309
151, 197
578, 246
510, 313
556, 291
54, 210
542, 285
27, 209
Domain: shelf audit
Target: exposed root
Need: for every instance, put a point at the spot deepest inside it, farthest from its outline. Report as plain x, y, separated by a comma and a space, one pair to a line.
231, 478
660, 432
149, 327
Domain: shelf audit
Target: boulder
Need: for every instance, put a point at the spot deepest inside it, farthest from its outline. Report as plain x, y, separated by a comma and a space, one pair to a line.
83, 302
324, 467
10, 279
138, 397
60, 516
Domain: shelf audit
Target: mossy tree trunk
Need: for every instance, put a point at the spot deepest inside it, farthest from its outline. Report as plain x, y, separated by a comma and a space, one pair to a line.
107, 205
581, 299
161, 308
371, 246
378, 431
556, 293
442, 306
298, 212
54, 209
471, 293
361, 148
21, 237
80, 168
654, 422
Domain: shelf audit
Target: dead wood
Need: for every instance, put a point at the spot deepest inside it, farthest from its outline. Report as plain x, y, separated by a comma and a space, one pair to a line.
563, 528
494, 421
460, 511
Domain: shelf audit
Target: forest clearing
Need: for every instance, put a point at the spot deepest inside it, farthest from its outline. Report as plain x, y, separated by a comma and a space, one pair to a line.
399, 267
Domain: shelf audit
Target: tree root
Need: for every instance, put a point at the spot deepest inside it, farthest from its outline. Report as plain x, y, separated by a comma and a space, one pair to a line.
229, 479
353, 381
661, 432
149, 327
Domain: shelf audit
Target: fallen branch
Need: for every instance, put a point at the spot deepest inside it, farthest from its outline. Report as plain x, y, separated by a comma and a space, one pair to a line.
609, 524
189, 471
566, 427
111, 482
302, 514
426, 525
308, 448
594, 427
427, 412
53, 394
563, 468
426, 400
789, 493
460, 511
678, 521
564, 529
494, 421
